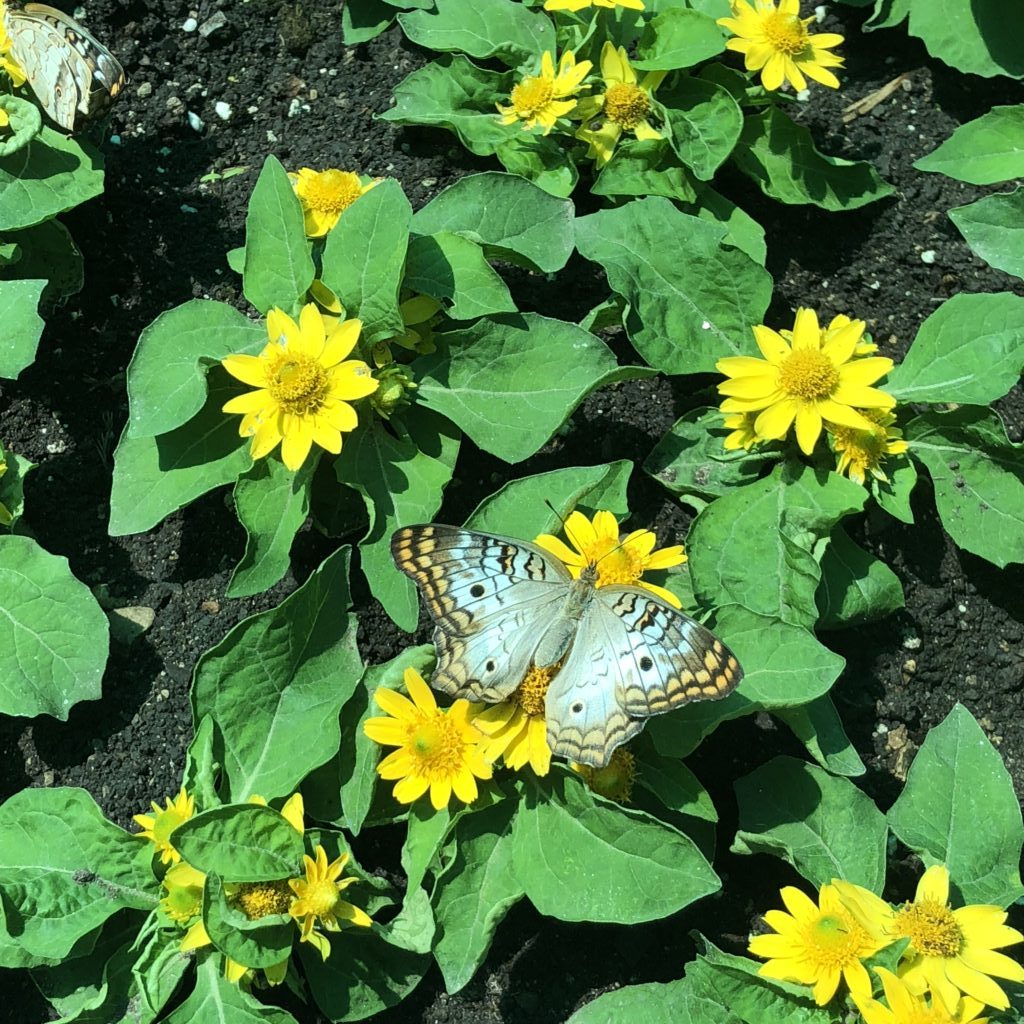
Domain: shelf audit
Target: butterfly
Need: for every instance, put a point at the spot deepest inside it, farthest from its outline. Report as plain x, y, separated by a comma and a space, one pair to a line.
75, 78
501, 606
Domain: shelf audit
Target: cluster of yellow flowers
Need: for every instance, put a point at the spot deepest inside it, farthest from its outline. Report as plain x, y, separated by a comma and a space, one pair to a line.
945, 974
445, 751
311, 899
813, 377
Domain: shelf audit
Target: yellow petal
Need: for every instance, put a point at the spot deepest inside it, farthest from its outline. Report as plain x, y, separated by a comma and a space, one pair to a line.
311, 327
411, 788
808, 427
421, 694
248, 369
773, 346
341, 342
776, 420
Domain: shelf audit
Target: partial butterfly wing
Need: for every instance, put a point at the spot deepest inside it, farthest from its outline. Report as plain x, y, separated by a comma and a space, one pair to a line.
489, 598
634, 656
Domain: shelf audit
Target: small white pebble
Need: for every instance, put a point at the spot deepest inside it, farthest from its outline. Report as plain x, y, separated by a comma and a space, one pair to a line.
803, 95
223, 110
819, 13
195, 121
882, 729
185, 208
961, 608
911, 127
875, 285
912, 643
928, 256
189, 25
706, 326
115, 140
295, 107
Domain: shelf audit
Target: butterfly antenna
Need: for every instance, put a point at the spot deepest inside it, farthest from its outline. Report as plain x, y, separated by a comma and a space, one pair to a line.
565, 524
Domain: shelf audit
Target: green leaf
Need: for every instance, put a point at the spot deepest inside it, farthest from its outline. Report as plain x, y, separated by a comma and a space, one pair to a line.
978, 477
275, 684
692, 298
644, 169
781, 158
454, 93
541, 160
818, 726
678, 38
511, 382
363, 20
511, 218
984, 151
13, 470
742, 231
475, 892
821, 824
654, 1003
156, 974
978, 37
636, 868
278, 264
241, 843
690, 459
167, 374
52, 174
23, 326
994, 229
705, 120
425, 835
673, 783
856, 587
958, 809
155, 476
64, 869
970, 351
54, 637
758, 546
263, 942
448, 266
48, 251
272, 502
894, 495
219, 1001
486, 28
401, 473
364, 259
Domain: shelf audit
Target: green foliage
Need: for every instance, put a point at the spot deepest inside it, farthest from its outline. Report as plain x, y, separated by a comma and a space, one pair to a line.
23, 326
985, 151
994, 229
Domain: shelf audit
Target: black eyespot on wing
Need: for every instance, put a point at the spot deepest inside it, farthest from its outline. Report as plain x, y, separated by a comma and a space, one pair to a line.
477, 590
646, 664
490, 666
577, 708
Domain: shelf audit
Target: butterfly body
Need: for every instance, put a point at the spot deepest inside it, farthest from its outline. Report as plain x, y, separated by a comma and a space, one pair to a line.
74, 77
501, 607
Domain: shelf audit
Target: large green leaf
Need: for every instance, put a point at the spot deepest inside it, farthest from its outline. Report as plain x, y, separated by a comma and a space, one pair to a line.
23, 326
780, 156
978, 37
54, 637
705, 120
64, 869
970, 351
278, 264
692, 298
48, 251
818, 726
856, 587
275, 684
540, 159
979, 480
820, 823
958, 808
654, 1003
678, 38
994, 229
509, 383
401, 472
645, 169
984, 151
215, 1000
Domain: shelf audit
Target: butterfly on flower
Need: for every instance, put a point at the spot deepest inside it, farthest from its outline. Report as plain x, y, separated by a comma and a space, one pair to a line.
74, 77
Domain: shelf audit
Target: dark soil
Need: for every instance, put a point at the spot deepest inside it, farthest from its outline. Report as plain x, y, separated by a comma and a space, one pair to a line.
158, 237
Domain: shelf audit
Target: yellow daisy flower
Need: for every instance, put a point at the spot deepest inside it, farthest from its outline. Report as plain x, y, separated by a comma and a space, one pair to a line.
326, 195
906, 1008
542, 99
619, 560
160, 825
437, 750
516, 729
624, 106
304, 385
817, 945
950, 951
615, 780
317, 899
579, 5
812, 377
7, 62
861, 452
774, 40
184, 899
743, 433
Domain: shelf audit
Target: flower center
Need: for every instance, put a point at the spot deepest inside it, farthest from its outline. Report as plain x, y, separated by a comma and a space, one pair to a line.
182, 903
832, 941
330, 191
931, 928
530, 693
261, 899
531, 94
809, 374
615, 780
321, 897
785, 33
865, 446
298, 385
436, 742
618, 565
626, 104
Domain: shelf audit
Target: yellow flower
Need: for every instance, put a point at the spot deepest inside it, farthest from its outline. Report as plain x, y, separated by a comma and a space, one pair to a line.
304, 386
516, 729
950, 951
906, 1008
579, 5
624, 106
419, 314
293, 810
542, 99
812, 376
861, 452
743, 433
326, 195
7, 62
197, 937
615, 780
437, 750
775, 41
184, 899
817, 945
160, 825
619, 560
317, 898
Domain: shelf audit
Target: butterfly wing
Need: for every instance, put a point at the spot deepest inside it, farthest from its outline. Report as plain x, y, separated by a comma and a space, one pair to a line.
489, 597
634, 656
